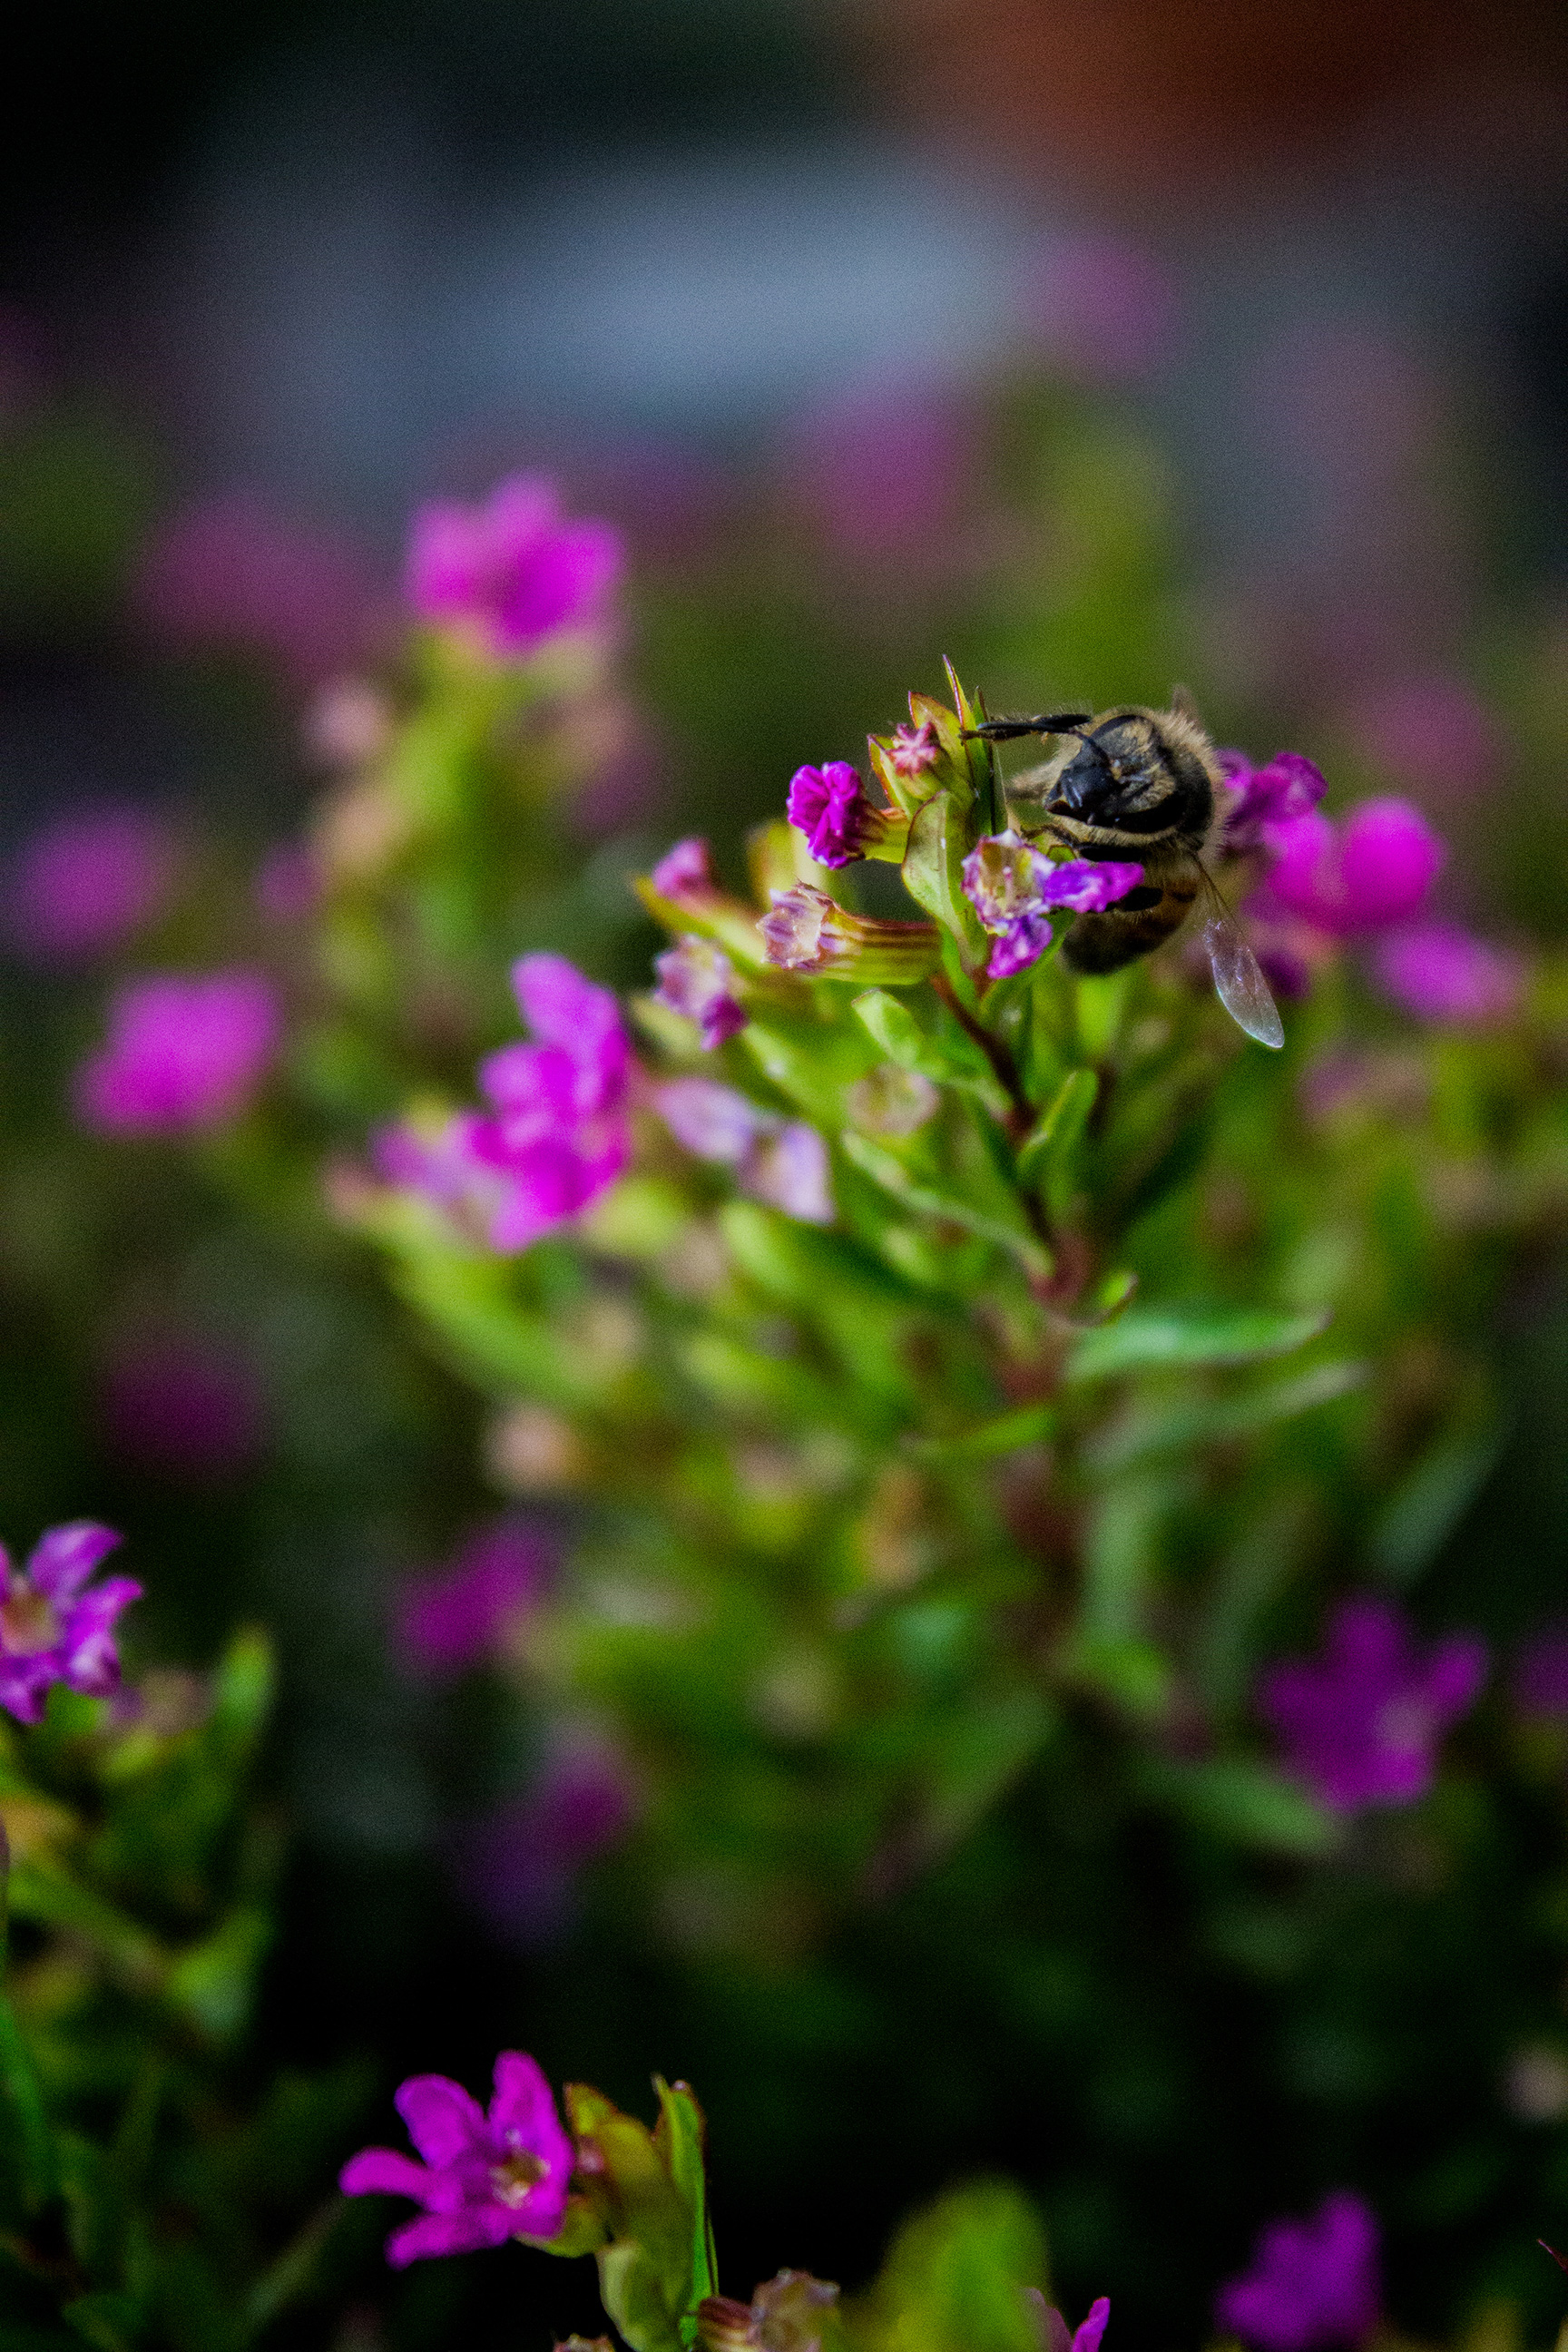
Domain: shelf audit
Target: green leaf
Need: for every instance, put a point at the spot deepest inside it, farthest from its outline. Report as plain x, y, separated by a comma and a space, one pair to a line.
954, 2279
1155, 1339
936, 1200
680, 2135
24, 2118
1046, 1149
1212, 1420
1246, 1803
933, 874
948, 1056
1432, 1497
1031, 1424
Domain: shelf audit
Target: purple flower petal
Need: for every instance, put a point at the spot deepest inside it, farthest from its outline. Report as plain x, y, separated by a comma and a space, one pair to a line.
1374, 873
471, 2230
90, 1661
1086, 884
382, 2173
790, 1170
713, 1121
182, 1052
1022, 942
444, 2122
511, 569
1361, 1726
685, 869
1085, 2337
63, 1558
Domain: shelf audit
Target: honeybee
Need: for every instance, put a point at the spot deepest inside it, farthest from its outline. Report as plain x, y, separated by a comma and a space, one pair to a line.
1135, 784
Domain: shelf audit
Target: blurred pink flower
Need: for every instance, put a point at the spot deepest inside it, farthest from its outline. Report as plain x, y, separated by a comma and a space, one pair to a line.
520, 1866
1289, 786
881, 472
1311, 2283
511, 569
1430, 734
1361, 1723
178, 1403
557, 1134
1371, 872
1445, 974
1101, 310
183, 1050
697, 979
231, 575
782, 1161
461, 1614
87, 882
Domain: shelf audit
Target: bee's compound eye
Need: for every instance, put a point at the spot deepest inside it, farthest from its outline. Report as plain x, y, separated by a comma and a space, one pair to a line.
1087, 784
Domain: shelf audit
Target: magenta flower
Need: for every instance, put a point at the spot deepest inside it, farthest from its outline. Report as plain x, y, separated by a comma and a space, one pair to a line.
1012, 886
1361, 1724
485, 2179
86, 882
782, 1161
447, 1622
510, 569
828, 804
697, 979
1370, 874
520, 1868
54, 1626
230, 574
1442, 973
1288, 787
1311, 2283
183, 1050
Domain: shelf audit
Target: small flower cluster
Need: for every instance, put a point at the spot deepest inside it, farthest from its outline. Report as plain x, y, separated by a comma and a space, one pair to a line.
557, 1134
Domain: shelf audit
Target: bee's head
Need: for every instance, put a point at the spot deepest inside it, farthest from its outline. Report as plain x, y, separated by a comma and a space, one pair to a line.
1090, 787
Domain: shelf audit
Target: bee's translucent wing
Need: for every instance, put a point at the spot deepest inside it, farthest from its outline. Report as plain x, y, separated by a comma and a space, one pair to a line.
1239, 983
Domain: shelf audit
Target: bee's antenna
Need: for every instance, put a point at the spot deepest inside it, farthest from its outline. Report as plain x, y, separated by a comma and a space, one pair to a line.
1047, 722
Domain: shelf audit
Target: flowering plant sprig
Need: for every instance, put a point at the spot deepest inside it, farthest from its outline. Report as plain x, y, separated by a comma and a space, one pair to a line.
638, 2200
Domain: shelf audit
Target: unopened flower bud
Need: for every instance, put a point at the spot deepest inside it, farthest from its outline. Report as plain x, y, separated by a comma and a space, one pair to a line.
807, 933
724, 2324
